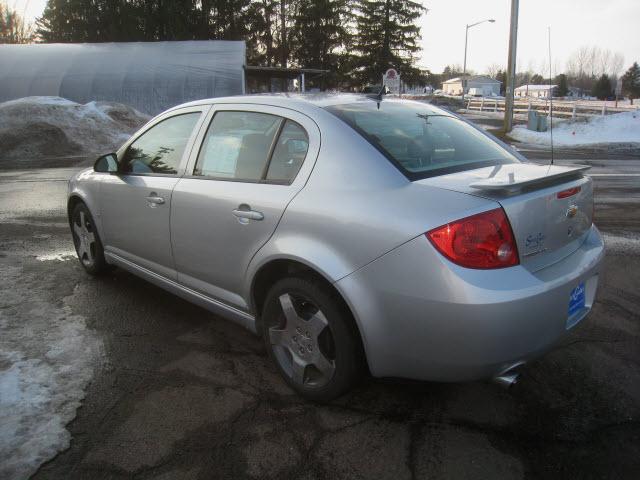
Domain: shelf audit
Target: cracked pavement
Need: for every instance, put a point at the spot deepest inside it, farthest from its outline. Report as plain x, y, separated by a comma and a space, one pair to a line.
183, 394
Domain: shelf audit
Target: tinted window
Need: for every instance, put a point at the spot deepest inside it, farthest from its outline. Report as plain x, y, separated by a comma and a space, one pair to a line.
288, 154
237, 145
160, 149
420, 140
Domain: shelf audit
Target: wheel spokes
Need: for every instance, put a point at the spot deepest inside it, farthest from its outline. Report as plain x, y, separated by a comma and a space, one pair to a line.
325, 366
299, 337
86, 239
289, 311
316, 324
77, 229
90, 237
298, 368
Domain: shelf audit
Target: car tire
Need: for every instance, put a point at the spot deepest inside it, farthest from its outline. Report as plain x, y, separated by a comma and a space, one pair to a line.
87, 241
312, 338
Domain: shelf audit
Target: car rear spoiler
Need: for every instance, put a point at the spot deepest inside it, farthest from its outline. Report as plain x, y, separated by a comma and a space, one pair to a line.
506, 180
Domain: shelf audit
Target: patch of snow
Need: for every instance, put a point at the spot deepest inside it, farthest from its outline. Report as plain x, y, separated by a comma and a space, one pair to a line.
34, 129
41, 100
47, 357
618, 128
57, 256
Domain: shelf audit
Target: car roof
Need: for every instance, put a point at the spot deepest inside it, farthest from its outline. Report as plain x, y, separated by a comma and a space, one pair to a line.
305, 103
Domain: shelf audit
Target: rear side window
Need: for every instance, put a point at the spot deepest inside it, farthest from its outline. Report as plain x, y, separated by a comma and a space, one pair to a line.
288, 153
421, 141
237, 145
160, 149
252, 147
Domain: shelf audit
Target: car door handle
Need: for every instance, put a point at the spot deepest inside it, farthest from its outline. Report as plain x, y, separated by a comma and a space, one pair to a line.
154, 199
248, 214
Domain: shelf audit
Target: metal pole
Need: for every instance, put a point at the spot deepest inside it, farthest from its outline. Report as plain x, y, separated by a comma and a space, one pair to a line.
511, 68
464, 65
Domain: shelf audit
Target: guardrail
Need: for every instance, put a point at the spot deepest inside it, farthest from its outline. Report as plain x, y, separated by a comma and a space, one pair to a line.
561, 108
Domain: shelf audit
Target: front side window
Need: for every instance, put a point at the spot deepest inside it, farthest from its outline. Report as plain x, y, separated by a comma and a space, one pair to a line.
160, 149
421, 141
253, 147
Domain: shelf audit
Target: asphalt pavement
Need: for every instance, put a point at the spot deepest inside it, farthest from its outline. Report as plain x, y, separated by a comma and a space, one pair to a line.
181, 393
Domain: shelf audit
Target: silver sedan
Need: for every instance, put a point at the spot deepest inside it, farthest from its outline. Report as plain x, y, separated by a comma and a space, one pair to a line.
354, 234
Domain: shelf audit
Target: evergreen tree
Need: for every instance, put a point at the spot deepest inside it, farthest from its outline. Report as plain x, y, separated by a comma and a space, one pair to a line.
602, 87
260, 38
631, 82
451, 71
536, 79
563, 87
143, 20
387, 37
320, 37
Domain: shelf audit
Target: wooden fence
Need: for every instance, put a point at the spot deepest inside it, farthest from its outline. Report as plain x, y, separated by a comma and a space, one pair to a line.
561, 108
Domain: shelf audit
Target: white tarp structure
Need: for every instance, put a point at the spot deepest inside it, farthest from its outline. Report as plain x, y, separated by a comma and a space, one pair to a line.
149, 76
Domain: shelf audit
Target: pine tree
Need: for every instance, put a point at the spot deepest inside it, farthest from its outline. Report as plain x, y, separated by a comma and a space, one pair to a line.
320, 37
536, 79
387, 37
563, 87
631, 82
602, 87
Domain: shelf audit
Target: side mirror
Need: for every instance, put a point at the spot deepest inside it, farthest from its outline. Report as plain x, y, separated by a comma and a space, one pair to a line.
106, 164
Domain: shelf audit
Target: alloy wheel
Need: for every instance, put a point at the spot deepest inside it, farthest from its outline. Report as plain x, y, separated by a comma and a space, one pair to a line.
303, 343
85, 239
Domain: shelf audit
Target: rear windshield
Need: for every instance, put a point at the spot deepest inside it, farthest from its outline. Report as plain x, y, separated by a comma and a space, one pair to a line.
421, 141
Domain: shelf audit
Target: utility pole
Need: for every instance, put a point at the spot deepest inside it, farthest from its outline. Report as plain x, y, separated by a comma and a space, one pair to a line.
464, 67
511, 68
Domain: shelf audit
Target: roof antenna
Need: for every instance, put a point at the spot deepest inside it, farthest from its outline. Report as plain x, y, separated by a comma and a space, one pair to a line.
550, 98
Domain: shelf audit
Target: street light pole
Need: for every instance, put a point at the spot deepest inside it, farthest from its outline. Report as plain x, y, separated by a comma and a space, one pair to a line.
464, 65
511, 68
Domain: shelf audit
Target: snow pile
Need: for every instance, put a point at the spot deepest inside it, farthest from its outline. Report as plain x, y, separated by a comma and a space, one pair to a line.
618, 128
53, 131
47, 357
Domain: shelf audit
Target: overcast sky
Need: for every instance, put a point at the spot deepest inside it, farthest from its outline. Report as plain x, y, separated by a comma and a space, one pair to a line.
610, 24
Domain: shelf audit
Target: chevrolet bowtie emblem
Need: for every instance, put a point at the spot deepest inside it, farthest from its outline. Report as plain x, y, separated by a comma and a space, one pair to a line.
571, 212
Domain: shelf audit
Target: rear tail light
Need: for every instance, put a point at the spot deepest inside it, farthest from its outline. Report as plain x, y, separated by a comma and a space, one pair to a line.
480, 241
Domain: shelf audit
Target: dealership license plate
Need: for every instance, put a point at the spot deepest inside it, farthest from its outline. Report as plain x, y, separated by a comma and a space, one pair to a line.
576, 299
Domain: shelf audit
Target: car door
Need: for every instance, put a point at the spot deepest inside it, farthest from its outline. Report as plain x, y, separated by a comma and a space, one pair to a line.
135, 203
252, 161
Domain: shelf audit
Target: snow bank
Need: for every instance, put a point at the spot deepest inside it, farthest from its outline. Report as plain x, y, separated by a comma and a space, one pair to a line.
47, 357
53, 131
618, 128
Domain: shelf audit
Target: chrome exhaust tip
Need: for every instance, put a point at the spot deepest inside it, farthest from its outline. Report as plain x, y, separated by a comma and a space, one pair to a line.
509, 376
507, 379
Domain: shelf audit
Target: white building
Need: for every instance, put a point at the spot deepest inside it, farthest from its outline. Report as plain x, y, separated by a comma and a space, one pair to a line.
535, 91
482, 84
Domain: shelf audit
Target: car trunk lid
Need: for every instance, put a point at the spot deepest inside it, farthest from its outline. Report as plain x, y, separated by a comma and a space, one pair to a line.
550, 208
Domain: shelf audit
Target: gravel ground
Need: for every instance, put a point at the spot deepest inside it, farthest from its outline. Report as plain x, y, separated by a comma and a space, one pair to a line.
179, 393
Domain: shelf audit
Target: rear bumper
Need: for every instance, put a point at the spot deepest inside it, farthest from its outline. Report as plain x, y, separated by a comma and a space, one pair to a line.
423, 317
